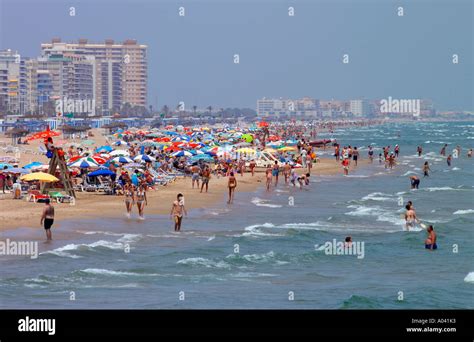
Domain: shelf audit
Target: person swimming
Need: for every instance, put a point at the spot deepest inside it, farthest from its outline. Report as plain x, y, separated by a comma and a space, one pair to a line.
430, 242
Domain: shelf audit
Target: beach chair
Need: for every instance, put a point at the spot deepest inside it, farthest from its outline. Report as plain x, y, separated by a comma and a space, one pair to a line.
36, 196
61, 198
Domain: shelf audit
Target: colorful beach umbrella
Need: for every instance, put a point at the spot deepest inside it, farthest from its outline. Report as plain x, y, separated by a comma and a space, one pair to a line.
247, 137
32, 165
43, 135
39, 176
15, 170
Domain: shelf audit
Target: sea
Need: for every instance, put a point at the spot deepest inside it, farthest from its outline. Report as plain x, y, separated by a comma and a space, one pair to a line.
268, 249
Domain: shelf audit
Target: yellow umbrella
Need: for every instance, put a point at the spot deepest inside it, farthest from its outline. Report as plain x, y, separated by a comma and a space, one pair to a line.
39, 176
271, 150
286, 148
246, 150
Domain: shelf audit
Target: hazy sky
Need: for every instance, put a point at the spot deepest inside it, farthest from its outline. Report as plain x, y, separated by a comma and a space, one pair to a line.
191, 58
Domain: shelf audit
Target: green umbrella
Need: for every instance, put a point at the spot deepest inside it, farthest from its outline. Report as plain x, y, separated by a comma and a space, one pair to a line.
247, 137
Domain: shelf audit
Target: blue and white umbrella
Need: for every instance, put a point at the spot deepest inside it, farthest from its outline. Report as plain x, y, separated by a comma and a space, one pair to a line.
120, 143
182, 153
144, 158
32, 165
119, 153
84, 163
101, 172
122, 160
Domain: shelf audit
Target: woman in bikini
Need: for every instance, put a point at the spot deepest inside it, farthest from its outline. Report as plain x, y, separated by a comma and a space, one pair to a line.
231, 184
141, 200
129, 198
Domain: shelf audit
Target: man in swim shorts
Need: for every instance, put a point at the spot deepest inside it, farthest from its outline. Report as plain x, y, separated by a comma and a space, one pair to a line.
415, 182
47, 218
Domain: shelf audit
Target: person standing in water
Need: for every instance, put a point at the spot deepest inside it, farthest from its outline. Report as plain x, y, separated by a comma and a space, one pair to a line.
232, 184
426, 169
449, 160
415, 182
419, 149
141, 200
276, 172
469, 153
410, 217
430, 242
47, 218
129, 198
443, 150
397, 150
371, 154
345, 166
177, 211
355, 155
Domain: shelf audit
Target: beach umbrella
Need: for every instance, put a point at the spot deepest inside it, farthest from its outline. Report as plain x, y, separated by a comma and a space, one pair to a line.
101, 172
286, 149
247, 137
122, 160
2, 166
182, 153
203, 157
17, 170
39, 176
99, 160
120, 143
246, 150
88, 142
43, 135
119, 153
84, 163
148, 143
144, 158
32, 165
104, 148
169, 127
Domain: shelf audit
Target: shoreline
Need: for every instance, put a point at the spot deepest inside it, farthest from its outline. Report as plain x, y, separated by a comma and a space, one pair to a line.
17, 214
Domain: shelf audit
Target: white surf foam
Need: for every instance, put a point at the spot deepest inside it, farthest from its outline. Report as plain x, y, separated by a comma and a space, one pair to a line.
101, 271
464, 212
469, 278
65, 250
203, 262
262, 203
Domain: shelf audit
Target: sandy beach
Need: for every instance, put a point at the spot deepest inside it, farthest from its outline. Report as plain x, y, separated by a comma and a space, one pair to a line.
19, 213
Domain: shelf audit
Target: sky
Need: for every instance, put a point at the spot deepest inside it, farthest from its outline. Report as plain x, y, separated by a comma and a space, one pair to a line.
191, 58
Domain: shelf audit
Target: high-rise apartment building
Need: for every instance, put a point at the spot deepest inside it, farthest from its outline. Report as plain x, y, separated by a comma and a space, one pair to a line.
120, 69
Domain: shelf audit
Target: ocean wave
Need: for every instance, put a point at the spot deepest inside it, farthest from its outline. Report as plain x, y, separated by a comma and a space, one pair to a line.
101, 271
256, 258
255, 230
204, 262
443, 188
381, 215
377, 196
65, 250
463, 212
410, 173
252, 275
469, 278
261, 203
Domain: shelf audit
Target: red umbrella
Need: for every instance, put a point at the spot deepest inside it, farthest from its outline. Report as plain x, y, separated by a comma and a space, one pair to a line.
43, 135
263, 124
